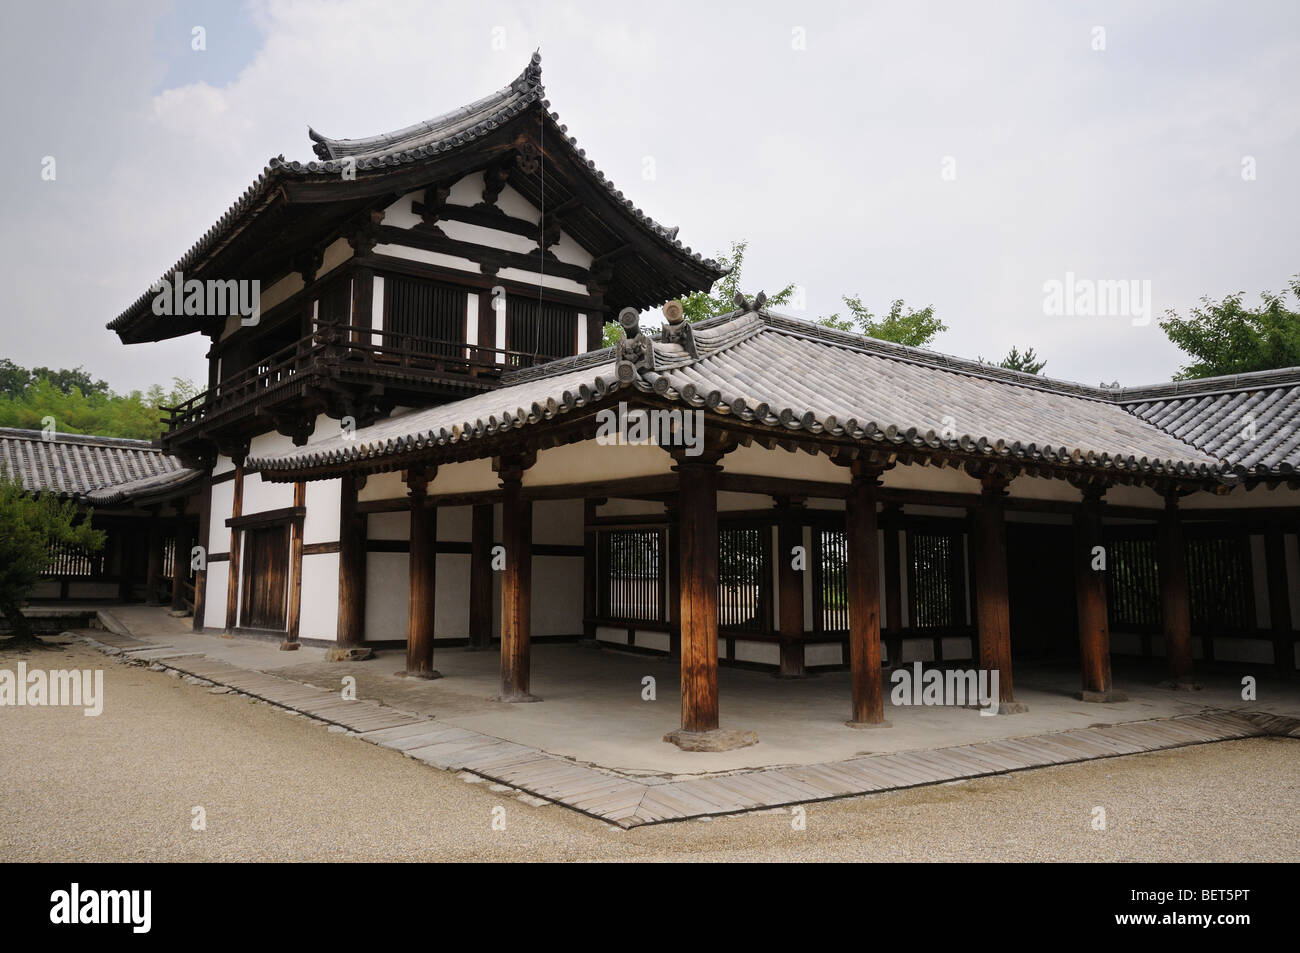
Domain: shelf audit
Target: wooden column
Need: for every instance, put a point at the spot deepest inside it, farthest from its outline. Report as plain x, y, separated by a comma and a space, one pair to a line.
294, 614
236, 544
351, 630
890, 517
1176, 612
590, 570
862, 578
516, 583
789, 535
153, 574
1279, 599
992, 604
201, 573
180, 558
1090, 597
423, 578
697, 505
674, 581
480, 577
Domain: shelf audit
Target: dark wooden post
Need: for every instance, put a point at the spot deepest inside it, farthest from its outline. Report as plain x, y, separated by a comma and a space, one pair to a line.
890, 519
1176, 612
236, 545
590, 568
351, 630
1090, 594
180, 558
153, 574
290, 642
516, 584
1279, 599
697, 505
423, 578
862, 578
201, 573
992, 604
480, 577
789, 535
674, 581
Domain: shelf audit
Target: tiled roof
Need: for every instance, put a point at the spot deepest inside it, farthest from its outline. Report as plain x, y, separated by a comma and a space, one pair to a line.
413, 144
104, 470
791, 375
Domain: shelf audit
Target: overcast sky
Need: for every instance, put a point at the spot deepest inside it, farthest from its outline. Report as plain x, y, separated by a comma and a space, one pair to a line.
960, 155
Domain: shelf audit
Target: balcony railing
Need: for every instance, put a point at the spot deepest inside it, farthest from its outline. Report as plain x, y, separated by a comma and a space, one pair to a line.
336, 350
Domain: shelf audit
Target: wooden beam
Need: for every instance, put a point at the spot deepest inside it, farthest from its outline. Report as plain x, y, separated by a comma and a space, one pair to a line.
1176, 613
698, 563
290, 642
862, 578
420, 618
516, 584
1090, 596
480, 576
992, 605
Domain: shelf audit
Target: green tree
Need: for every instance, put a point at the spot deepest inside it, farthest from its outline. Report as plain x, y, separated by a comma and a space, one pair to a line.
1027, 362
69, 380
137, 414
1227, 337
30, 527
13, 379
902, 325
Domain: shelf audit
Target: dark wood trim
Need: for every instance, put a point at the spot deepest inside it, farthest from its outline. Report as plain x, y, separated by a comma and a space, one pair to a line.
992, 602
351, 628
221, 477
285, 514
422, 574
320, 549
863, 584
388, 264
789, 524
236, 539
1090, 597
698, 561
295, 565
516, 588
482, 531
488, 255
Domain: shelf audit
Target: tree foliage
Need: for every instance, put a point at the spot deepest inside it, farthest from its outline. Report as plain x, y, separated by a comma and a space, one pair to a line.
1228, 337
902, 325
30, 527
1027, 362
80, 404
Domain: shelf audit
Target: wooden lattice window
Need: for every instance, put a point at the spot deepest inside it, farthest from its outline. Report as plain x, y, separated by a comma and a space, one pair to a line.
419, 313
540, 328
633, 575
1134, 582
1219, 582
66, 560
832, 580
744, 579
936, 597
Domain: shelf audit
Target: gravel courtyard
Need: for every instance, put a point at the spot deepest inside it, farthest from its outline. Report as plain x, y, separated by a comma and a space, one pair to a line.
275, 786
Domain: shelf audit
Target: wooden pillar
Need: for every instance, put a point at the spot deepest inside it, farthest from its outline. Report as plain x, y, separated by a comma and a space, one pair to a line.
697, 505
673, 516
423, 577
992, 604
480, 577
236, 544
1279, 599
789, 535
351, 630
590, 570
862, 578
1090, 596
1176, 612
153, 574
890, 519
201, 572
290, 642
180, 558
516, 584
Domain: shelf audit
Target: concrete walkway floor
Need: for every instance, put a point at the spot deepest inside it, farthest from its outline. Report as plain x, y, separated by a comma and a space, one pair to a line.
622, 771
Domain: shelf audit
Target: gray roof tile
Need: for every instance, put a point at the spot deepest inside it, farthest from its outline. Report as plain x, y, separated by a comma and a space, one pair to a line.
104, 470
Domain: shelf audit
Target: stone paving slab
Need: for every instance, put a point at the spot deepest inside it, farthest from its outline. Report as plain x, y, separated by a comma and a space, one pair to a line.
630, 802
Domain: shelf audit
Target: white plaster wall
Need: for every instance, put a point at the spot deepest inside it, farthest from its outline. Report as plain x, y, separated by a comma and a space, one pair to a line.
223, 465
456, 523
395, 525
1240, 497
730, 501
336, 254
547, 281
451, 598
387, 594
382, 486
1135, 496
588, 461
223, 503
1039, 488
784, 464
261, 496
429, 257
321, 524
930, 478
605, 633
320, 597
557, 595
630, 508
469, 477
214, 603
764, 653
558, 522
1258, 651
823, 653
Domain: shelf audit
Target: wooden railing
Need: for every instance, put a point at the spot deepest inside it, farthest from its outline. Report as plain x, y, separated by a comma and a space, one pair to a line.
335, 349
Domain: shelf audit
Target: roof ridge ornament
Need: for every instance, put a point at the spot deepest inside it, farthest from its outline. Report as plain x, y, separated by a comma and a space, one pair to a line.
636, 351
678, 330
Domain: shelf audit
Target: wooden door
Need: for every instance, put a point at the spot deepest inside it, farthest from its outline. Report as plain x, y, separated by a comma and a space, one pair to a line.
266, 577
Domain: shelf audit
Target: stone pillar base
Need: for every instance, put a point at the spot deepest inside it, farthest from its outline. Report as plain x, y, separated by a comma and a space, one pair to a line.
863, 725
517, 698
1012, 708
177, 613
1180, 685
715, 739
287, 646
428, 674
1101, 698
354, 653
